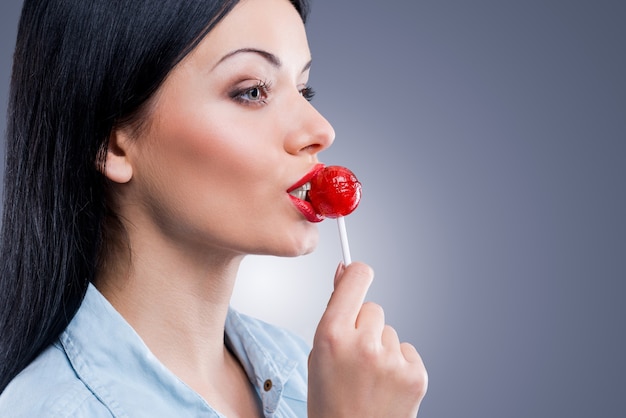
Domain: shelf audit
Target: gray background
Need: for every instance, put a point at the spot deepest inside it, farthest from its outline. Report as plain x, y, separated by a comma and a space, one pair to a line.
490, 137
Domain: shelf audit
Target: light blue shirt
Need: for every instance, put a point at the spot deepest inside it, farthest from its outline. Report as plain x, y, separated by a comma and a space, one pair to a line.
99, 367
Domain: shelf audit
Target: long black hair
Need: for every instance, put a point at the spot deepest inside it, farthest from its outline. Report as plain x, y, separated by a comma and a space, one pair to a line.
80, 68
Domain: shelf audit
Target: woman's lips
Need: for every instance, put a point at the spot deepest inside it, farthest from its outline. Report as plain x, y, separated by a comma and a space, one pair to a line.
302, 205
307, 177
306, 209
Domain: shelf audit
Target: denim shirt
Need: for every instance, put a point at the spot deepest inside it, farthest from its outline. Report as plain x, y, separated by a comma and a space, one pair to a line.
99, 367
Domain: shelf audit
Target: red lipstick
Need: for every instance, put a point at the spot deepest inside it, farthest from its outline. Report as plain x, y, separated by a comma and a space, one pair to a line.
302, 205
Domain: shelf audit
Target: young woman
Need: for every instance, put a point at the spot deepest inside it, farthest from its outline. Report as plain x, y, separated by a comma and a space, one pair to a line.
151, 145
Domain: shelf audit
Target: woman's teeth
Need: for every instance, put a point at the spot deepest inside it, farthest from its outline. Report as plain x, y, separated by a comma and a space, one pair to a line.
302, 191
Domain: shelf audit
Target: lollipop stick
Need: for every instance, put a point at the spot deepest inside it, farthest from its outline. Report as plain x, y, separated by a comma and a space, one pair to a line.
343, 237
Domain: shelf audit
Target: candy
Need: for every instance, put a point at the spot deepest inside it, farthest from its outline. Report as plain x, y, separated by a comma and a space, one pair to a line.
335, 192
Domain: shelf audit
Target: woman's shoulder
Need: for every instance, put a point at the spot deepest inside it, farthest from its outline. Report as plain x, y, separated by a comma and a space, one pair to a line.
49, 387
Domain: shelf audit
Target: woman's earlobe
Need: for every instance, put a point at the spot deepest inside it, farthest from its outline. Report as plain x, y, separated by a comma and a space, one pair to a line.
117, 166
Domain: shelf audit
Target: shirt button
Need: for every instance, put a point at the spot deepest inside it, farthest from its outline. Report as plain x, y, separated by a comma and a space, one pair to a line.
267, 386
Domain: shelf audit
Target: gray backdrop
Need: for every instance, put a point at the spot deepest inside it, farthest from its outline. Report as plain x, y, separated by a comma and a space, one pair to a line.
490, 137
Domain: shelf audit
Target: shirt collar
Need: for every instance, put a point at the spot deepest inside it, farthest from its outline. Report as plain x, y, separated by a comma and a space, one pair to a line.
116, 365
267, 367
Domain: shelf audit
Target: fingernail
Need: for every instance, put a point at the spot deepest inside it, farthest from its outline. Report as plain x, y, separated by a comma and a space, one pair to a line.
340, 269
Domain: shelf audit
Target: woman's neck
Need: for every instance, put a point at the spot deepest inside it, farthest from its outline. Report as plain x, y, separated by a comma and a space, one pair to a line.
177, 302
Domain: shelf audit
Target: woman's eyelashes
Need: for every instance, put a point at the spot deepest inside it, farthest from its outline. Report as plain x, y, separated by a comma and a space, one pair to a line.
308, 93
260, 92
251, 95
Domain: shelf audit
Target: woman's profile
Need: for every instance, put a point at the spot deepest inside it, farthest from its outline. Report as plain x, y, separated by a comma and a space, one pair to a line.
150, 147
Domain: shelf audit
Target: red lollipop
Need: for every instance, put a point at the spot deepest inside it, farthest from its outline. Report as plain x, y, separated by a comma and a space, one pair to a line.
335, 191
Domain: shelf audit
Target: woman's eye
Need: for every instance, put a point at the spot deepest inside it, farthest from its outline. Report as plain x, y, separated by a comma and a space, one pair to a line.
257, 94
253, 94
308, 93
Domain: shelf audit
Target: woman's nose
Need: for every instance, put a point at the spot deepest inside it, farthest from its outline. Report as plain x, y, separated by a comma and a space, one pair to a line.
312, 134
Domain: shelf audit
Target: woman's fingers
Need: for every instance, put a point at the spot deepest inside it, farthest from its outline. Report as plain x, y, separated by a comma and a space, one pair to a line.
358, 366
351, 285
371, 320
390, 339
410, 353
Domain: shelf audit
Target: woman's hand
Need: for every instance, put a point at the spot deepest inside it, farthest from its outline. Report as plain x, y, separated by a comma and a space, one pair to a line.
358, 367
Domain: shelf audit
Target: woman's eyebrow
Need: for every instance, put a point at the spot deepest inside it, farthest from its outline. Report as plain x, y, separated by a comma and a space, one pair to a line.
268, 56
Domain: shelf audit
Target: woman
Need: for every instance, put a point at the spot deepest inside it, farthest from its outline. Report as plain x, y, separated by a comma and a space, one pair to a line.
151, 144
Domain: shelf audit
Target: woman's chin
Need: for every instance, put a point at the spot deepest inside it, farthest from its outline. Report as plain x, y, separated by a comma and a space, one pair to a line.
303, 244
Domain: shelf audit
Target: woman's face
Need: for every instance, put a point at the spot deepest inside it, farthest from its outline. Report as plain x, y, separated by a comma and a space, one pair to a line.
228, 133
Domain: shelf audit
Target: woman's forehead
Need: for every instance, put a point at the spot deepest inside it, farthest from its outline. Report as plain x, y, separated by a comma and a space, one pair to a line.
274, 26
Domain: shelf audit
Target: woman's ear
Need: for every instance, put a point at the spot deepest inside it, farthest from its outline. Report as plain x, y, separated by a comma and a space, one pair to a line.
118, 167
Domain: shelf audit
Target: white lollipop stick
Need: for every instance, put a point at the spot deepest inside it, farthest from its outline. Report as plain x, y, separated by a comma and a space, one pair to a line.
343, 237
